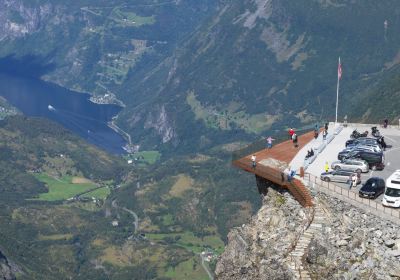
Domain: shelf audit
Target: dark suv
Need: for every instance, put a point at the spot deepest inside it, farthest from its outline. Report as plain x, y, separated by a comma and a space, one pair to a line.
373, 188
375, 160
362, 141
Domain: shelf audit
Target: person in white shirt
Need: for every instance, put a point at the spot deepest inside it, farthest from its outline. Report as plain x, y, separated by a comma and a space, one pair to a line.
253, 161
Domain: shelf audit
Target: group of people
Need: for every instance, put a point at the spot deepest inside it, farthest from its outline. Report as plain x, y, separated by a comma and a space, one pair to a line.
324, 132
310, 153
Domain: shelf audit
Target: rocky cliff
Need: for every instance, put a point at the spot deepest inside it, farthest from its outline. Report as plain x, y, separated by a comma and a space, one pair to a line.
347, 243
7, 270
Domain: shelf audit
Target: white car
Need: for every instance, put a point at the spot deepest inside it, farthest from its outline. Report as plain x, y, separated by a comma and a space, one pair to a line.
354, 165
392, 192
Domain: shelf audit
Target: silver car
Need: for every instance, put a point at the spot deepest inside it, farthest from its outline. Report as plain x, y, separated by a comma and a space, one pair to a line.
340, 176
354, 165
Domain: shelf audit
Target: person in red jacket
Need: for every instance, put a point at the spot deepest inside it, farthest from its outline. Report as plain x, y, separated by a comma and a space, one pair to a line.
291, 132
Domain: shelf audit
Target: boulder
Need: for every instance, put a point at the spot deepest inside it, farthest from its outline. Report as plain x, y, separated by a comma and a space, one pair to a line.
342, 242
316, 253
390, 243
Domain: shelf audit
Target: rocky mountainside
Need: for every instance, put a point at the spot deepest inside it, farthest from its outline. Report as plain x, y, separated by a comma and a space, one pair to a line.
263, 64
94, 46
347, 244
7, 270
194, 74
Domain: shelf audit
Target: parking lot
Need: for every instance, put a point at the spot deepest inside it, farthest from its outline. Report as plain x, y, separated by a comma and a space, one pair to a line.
392, 154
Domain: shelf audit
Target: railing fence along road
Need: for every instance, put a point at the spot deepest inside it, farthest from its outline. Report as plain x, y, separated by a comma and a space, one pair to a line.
350, 196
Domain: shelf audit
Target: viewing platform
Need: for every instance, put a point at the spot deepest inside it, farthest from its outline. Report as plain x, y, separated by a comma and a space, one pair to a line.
272, 165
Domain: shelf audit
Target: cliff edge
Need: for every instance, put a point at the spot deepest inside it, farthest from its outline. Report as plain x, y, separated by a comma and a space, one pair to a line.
333, 240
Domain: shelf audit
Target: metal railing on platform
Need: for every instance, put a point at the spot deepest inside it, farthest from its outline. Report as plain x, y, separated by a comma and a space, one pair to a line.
353, 198
279, 136
276, 176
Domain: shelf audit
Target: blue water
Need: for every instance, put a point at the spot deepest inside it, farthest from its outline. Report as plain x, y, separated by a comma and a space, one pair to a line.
73, 110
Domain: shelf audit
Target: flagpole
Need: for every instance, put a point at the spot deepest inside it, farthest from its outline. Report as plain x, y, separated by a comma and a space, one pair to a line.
337, 95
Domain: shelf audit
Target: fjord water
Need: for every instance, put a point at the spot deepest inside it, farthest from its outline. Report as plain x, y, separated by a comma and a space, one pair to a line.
73, 110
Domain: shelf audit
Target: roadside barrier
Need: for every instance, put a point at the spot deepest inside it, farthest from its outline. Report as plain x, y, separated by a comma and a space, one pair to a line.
350, 196
321, 147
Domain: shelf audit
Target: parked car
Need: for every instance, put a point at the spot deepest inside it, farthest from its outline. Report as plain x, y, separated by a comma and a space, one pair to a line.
373, 147
362, 140
354, 165
375, 160
343, 154
372, 188
341, 176
392, 193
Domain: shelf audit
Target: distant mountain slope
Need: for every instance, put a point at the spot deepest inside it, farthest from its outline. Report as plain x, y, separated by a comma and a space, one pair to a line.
194, 74
265, 64
94, 45
183, 206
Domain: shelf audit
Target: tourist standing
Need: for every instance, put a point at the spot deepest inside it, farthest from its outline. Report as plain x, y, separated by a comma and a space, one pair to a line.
291, 132
294, 138
253, 161
324, 134
354, 180
289, 174
269, 142
383, 143
326, 167
350, 181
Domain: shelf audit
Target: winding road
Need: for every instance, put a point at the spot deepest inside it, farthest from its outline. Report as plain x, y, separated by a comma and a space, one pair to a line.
135, 216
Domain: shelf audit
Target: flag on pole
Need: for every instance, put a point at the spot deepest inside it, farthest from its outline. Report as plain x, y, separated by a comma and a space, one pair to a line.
339, 70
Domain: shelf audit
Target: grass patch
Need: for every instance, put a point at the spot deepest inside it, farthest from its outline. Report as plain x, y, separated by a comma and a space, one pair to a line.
181, 185
231, 117
190, 269
189, 241
61, 188
144, 157
125, 18
99, 193
66, 236
168, 220
80, 180
115, 256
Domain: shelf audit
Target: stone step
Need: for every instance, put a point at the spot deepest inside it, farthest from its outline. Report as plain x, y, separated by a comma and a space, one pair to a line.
297, 254
316, 225
304, 276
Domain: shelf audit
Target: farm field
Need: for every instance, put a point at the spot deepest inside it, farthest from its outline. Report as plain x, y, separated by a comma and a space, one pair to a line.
65, 187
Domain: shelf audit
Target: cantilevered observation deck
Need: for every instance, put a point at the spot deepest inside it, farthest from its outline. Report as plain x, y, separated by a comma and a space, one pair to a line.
271, 164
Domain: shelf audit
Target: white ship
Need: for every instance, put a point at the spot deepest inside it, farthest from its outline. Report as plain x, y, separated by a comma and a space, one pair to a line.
51, 108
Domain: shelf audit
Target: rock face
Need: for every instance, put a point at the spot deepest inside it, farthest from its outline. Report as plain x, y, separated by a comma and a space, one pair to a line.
259, 249
6, 269
18, 19
351, 244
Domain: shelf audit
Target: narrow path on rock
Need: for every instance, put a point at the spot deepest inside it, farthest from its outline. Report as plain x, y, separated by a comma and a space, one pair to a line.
296, 256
